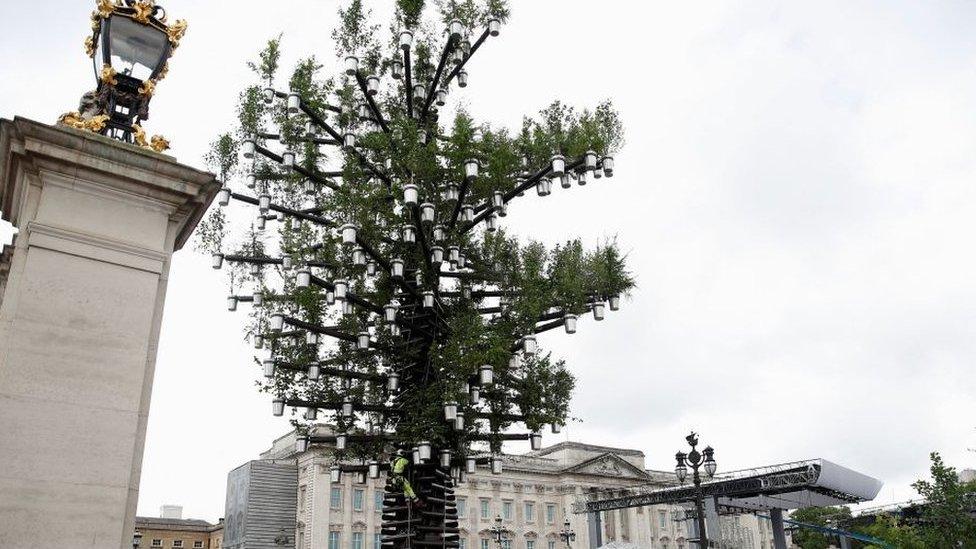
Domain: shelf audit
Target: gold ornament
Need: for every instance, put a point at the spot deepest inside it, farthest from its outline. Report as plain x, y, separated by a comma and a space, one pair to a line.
108, 75
75, 120
144, 10
176, 32
139, 135
90, 46
159, 143
163, 72
106, 8
148, 88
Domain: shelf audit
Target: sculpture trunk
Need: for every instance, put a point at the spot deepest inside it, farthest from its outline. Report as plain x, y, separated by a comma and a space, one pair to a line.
435, 524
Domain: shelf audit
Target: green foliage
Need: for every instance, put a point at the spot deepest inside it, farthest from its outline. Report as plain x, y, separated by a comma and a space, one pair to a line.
270, 56
820, 516
517, 287
947, 518
887, 529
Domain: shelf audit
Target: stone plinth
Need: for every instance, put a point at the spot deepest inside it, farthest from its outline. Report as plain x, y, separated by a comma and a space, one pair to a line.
81, 300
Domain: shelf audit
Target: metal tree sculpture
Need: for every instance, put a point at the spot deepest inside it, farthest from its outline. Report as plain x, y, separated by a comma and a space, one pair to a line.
390, 300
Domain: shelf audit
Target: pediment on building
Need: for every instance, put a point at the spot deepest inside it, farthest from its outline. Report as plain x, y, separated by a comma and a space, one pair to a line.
608, 465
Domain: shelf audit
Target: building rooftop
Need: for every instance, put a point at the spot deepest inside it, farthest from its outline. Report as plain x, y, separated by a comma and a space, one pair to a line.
189, 525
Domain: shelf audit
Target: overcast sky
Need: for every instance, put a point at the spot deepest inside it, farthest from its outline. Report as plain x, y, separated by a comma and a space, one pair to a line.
796, 195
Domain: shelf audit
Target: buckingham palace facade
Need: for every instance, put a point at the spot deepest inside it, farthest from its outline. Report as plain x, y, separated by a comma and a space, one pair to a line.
534, 496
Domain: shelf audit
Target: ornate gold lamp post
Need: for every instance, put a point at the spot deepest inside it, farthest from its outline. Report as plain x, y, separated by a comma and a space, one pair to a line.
130, 47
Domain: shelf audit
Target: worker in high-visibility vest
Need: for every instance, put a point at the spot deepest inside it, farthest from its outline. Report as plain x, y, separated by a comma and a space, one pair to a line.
397, 468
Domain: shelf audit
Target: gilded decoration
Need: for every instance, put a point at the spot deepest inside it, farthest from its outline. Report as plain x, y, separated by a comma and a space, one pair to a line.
148, 88
76, 120
159, 143
143, 11
90, 46
108, 75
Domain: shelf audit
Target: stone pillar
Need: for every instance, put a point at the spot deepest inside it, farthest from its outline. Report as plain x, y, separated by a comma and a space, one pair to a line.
713, 521
82, 299
845, 542
779, 532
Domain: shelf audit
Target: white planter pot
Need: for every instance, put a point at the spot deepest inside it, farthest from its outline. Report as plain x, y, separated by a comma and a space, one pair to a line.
262, 221
450, 411
396, 270
424, 449
441, 97
255, 269
362, 340
301, 444
438, 233
415, 454
558, 165
288, 159
257, 298
341, 287
569, 321
496, 465
396, 70
410, 194
394, 330
374, 469
269, 368
598, 173
608, 166
335, 474
445, 458
269, 95
428, 299
232, 303
294, 103
491, 223
223, 197
278, 407
370, 268
498, 200
467, 213
406, 39
389, 313
427, 212
589, 160
599, 310
615, 303
486, 376
287, 262
456, 29
309, 187
453, 254
564, 181
347, 409
311, 414
465, 291
393, 382
248, 146
494, 27
475, 395
358, 257
436, 255
311, 129
373, 85
451, 192
543, 187
348, 232
535, 439
462, 261
277, 322
349, 140
419, 92
311, 338
250, 180
352, 65
340, 442
529, 345
471, 168
217, 260
347, 308
556, 428
462, 78
303, 279
258, 341
581, 178
314, 372
409, 234
330, 298
459, 421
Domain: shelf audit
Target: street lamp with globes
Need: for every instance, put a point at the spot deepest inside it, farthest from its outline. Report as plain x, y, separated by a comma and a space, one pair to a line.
567, 534
696, 460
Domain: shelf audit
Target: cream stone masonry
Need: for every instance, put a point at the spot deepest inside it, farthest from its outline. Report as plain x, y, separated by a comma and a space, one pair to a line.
81, 300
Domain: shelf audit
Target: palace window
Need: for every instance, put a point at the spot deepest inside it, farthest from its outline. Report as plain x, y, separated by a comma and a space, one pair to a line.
335, 499
529, 544
377, 541
463, 543
462, 507
662, 519
356, 542
529, 511
507, 510
485, 509
333, 540
378, 502
197, 545
177, 543
550, 513
157, 543
357, 499
551, 545
485, 544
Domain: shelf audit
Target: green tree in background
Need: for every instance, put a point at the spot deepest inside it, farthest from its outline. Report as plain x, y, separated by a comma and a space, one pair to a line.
947, 517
